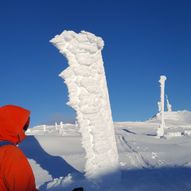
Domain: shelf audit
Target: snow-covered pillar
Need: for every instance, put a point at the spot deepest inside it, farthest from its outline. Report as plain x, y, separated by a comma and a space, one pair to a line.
160, 131
159, 106
61, 125
44, 128
88, 95
169, 106
56, 126
61, 130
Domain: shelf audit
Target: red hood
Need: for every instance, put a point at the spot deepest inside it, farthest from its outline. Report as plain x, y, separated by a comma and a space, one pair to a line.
12, 121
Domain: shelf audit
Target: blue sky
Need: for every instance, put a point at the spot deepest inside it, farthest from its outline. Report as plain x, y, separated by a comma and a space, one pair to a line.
143, 39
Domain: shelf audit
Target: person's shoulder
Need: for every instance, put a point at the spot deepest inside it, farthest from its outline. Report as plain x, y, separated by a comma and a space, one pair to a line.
13, 151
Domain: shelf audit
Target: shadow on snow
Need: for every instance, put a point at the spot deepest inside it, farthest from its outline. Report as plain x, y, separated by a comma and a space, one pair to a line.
55, 165
158, 179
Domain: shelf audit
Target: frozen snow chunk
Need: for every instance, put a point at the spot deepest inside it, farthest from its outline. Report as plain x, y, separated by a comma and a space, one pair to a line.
82, 38
73, 103
94, 39
91, 101
85, 59
68, 73
89, 109
60, 183
100, 43
67, 179
82, 71
73, 88
60, 40
89, 48
67, 35
90, 85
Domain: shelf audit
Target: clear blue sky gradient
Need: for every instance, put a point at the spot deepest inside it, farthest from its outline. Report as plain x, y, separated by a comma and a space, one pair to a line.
143, 39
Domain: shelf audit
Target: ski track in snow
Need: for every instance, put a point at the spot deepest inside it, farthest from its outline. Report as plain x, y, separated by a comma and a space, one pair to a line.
136, 158
136, 155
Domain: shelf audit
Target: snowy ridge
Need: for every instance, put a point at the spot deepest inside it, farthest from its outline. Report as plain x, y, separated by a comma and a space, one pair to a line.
88, 95
175, 116
56, 130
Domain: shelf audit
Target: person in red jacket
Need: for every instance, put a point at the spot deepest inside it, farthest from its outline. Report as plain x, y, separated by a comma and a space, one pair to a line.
15, 171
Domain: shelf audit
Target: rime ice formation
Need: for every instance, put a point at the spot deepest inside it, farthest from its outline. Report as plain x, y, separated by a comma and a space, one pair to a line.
88, 95
169, 106
160, 131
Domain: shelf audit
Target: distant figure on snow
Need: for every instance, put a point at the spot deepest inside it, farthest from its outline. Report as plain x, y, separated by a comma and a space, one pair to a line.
15, 171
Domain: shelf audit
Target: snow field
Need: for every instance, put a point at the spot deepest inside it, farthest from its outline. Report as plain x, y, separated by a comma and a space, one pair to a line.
146, 162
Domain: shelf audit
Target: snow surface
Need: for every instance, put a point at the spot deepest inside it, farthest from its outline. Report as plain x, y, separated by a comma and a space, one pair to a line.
146, 162
88, 96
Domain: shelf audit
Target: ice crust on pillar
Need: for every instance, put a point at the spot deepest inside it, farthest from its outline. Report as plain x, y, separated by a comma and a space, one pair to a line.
88, 95
160, 131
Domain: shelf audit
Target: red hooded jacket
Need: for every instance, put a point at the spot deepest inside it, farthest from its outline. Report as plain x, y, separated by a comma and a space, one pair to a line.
15, 171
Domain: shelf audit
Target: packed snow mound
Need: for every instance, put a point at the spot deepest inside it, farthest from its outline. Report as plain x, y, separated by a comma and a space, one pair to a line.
175, 116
